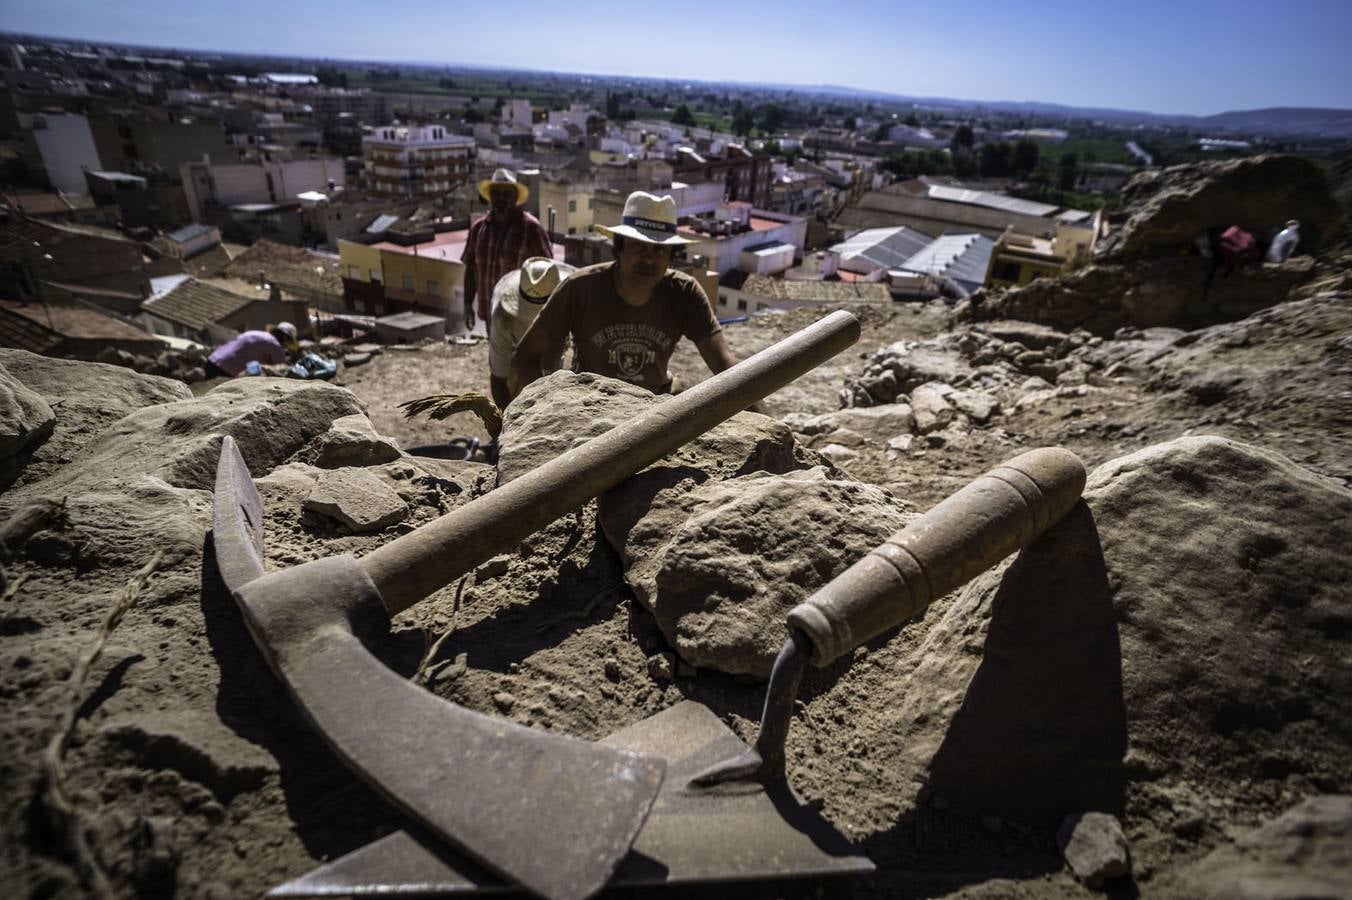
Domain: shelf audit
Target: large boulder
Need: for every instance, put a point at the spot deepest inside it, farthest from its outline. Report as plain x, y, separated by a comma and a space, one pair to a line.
179, 443
1197, 603
1168, 207
722, 564
89, 396
566, 409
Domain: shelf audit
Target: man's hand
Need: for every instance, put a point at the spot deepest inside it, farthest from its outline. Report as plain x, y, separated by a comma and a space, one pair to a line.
469, 317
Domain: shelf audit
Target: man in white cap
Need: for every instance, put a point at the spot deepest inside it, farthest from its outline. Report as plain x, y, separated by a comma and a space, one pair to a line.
626, 316
517, 300
499, 242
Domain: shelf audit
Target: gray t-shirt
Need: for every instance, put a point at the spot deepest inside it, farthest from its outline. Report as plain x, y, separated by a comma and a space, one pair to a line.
613, 338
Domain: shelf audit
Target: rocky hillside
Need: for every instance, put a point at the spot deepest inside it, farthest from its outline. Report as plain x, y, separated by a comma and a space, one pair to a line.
1153, 697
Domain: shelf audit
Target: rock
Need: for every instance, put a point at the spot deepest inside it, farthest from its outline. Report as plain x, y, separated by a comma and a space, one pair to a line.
1305, 852
838, 454
901, 443
350, 441
180, 443
352, 360
197, 745
504, 701
662, 667
722, 564
1169, 207
975, 405
1030, 334
494, 568
1034, 383
25, 418
889, 418
914, 364
565, 409
90, 397
847, 437
931, 408
1094, 847
356, 498
1249, 564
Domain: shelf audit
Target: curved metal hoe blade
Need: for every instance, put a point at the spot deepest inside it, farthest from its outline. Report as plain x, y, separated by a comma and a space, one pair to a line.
552, 813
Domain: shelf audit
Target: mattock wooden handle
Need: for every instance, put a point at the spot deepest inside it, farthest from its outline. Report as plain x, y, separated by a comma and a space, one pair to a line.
961, 537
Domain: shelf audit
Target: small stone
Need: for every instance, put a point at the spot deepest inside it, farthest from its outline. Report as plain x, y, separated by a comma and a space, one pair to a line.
495, 567
847, 437
1095, 847
901, 443
838, 454
662, 666
504, 701
611, 667
356, 498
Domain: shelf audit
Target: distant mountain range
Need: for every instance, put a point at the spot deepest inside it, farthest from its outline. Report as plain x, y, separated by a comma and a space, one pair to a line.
1274, 121
1332, 124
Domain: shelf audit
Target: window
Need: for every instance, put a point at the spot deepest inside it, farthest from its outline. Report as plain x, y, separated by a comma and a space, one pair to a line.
375, 276
354, 272
741, 306
408, 283
432, 287
572, 231
589, 203
1006, 271
722, 299
572, 206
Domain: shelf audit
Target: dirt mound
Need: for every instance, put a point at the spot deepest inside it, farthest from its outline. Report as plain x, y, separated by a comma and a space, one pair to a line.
1171, 652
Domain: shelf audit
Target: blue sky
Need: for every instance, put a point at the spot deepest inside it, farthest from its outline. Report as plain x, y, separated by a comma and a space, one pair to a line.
1185, 56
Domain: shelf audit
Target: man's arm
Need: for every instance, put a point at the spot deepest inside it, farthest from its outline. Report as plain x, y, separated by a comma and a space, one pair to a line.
535, 348
718, 356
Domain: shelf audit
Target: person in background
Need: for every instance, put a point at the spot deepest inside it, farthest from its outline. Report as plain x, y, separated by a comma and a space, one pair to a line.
517, 300
1284, 244
499, 243
625, 317
268, 347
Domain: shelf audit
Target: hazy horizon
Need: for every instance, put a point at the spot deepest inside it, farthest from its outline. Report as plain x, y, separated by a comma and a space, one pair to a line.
1190, 59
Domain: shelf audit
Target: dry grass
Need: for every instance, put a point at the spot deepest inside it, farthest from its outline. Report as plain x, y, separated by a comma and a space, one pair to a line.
443, 406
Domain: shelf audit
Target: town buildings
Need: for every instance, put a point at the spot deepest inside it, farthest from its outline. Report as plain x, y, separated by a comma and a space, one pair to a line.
416, 161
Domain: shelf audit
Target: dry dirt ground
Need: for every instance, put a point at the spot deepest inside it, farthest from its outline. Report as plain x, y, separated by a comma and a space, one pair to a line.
553, 639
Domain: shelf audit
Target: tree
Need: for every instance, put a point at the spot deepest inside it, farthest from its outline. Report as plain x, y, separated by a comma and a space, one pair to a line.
1025, 157
773, 119
1066, 171
612, 105
742, 120
682, 116
882, 133
996, 159
849, 123
912, 121
473, 115
963, 140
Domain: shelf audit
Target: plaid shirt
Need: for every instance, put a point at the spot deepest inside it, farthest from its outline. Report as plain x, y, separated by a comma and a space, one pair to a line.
493, 252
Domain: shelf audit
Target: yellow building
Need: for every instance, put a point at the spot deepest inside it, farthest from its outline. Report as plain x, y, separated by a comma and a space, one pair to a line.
390, 276
1019, 258
572, 205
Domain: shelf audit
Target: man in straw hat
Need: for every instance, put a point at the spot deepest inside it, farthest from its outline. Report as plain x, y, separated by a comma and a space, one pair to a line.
517, 300
499, 242
626, 316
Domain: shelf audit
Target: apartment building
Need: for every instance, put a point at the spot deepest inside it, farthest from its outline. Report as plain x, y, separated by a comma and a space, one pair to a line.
415, 161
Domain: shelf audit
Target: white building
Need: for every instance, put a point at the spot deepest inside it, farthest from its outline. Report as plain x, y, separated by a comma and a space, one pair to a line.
66, 145
735, 228
415, 161
262, 181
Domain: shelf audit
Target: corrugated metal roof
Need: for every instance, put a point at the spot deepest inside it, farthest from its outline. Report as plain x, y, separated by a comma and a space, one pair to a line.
962, 257
188, 232
988, 199
195, 305
880, 248
381, 223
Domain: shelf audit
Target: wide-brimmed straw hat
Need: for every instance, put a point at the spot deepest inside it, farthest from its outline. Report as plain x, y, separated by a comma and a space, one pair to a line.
539, 275
508, 177
648, 218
